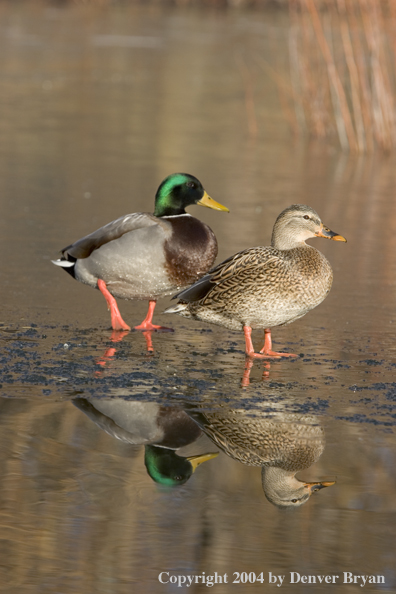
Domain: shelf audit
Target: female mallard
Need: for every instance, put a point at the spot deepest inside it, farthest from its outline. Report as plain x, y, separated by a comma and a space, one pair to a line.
147, 256
264, 287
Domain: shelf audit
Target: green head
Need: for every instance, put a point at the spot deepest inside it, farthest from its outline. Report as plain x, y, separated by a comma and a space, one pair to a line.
178, 191
164, 466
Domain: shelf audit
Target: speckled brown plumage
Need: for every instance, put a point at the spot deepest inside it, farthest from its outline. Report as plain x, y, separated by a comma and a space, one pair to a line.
288, 441
281, 444
263, 287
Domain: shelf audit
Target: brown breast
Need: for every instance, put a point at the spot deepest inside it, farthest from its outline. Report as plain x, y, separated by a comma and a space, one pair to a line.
190, 251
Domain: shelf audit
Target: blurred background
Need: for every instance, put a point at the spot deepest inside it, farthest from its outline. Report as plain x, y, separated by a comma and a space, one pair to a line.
268, 104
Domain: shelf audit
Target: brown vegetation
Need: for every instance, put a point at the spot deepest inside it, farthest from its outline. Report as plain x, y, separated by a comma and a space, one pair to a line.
210, 3
342, 71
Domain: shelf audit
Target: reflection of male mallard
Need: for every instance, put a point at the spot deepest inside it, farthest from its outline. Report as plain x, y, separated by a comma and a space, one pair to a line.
161, 429
282, 444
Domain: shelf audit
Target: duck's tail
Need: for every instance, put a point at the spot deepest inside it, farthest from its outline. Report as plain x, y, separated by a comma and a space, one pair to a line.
179, 308
66, 264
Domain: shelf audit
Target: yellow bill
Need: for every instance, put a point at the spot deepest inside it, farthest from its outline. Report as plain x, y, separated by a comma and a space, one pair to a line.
206, 200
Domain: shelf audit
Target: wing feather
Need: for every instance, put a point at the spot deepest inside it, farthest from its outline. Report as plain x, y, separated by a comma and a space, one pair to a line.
84, 247
235, 271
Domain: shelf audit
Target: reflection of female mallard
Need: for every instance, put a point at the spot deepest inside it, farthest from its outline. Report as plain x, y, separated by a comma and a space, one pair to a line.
264, 287
282, 444
145, 256
161, 429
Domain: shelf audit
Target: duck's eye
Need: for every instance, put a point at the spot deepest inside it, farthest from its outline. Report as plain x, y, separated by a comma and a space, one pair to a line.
306, 217
295, 500
191, 184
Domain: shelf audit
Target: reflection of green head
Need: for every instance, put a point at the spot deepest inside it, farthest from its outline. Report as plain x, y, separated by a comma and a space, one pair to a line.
164, 466
178, 191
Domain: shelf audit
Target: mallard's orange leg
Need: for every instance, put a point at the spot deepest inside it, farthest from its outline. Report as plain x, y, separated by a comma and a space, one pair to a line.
117, 323
267, 348
266, 352
146, 324
263, 354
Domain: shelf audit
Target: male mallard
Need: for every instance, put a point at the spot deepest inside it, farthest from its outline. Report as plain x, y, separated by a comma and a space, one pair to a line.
264, 287
147, 256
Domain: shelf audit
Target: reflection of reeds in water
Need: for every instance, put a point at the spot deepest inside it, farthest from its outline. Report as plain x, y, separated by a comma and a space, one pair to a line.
342, 64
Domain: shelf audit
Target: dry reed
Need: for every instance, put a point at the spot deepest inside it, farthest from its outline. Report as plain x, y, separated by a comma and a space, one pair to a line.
342, 71
208, 3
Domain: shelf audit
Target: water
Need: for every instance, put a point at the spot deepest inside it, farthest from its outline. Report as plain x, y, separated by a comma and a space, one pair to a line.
99, 105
